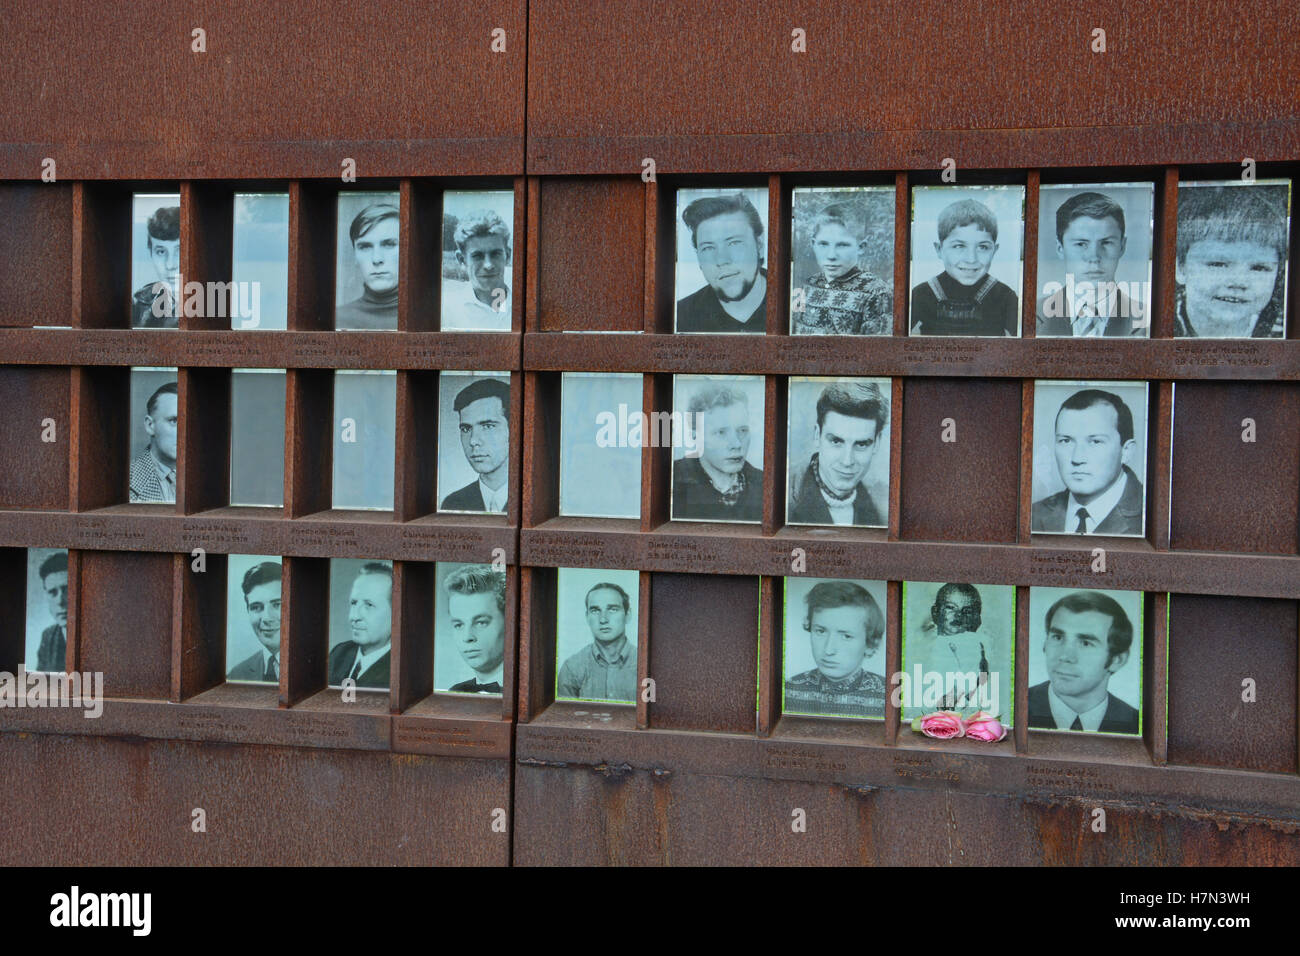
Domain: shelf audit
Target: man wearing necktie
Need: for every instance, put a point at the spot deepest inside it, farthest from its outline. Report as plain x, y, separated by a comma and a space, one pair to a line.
476, 609
153, 471
365, 659
51, 655
261, 587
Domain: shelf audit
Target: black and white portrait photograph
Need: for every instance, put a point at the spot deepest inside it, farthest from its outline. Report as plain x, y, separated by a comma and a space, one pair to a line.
838, 448
718, 448
1231, 259
253, 618
155, 260
46, 645
958, 647
259, 261
595, 635
721, 273
155, 427
473, 442
365, 286
469, 647
968, 252
842, 261
1094, 260
834, 663
257, 406
477, 257
361, 622
1090, 458
365, 430
1085, 660
601, 435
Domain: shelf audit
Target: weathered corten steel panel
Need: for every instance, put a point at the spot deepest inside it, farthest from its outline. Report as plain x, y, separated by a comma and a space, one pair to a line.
902, 84
116, 91
115, 801
35, 247
124, 619
35, 474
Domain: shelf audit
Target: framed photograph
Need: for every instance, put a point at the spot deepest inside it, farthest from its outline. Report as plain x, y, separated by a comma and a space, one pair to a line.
602, 430
257, 406
837, 447
155, 428
365, 286
477, 252
361, 622
469, 645
1090, 455
259, 261
1094, 260
1231, 259
253, 614
959, 644
365, 434
717, 423
473, 442
595, 635
842, 261
155, 260
46, 646
968, 252
721, 261
834, 650
1085, 661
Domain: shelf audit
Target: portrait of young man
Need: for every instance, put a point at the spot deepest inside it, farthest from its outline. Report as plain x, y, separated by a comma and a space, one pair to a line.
482, 421
837, 432
367, 608
368, 256
259, 587
713, 478
958, 648
604, 667
1083, 290
152, 474
157, 286
47, 615
725, 239
475, 623
845, 627
1231, 259
1097, 442
477, 295
1087, 650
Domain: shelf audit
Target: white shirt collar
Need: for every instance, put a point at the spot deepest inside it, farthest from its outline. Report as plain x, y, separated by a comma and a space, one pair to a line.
468, 313
495, 677
1097, 510
1064, 716
493, 500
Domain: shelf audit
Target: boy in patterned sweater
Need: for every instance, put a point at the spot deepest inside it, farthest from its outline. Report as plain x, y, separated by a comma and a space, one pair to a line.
842, 299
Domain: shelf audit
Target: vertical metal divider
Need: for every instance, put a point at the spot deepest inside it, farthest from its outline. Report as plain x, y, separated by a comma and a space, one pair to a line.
893, 658
1020, 685
1155, 679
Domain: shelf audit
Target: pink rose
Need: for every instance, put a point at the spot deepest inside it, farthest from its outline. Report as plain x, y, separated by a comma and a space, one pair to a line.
942, 724
984, 726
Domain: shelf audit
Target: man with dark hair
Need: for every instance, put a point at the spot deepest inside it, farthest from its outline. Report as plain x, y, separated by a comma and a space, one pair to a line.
606, 668
850, 417
374, 235
365, 658
52, 653
727, 234
483, 250
721, 484
1090, 241
153, 471
476, 607
965, 299
484, 410
154, 304
1087, 639
845, 626
1094, 447
261, 587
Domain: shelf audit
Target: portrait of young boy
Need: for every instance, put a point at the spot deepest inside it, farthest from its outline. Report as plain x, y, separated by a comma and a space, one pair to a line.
966, 297
842, 280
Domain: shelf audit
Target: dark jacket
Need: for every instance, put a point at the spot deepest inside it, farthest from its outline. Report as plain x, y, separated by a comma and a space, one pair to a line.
701, 312
52, 654
1058, 323
695, 497
808, 505
468, 498
1048, 515
345, 655
1120, 717
142, 316
472, 686
250, 669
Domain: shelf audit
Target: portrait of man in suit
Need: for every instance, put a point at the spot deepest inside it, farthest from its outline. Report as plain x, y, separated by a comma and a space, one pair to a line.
1094, 444
365, 658
51, 653
154, 304
483, 408
1086, 641
606, 668
830, 489
476, 612
153, 471
261, 588
727, 238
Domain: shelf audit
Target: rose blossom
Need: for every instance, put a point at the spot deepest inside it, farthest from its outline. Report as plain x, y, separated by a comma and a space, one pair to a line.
985, 726
942, 724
